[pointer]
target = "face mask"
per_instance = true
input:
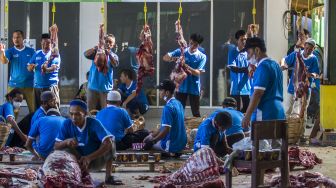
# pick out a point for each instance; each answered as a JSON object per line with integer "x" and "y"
{"x": 165, "y": 98}
{"x": 253, "y": 60}
{"x": 16, "y": 104}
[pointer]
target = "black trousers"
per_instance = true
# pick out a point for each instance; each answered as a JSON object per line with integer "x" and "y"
{"x": 130, "y": 138}
{"x": 219, "y": 145}
{"x": 194, "y": 101}
{"x": 242, "y": 102}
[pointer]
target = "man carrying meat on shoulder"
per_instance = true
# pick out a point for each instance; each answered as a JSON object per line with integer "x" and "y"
{"x": 172, "y": 136}
{"x": 195, "y": 62}
{"x": 88, "y": 140}
{"x": 210, "y": 133}
{"x": 267, "y": 89}
{"x": 100, "y": 83}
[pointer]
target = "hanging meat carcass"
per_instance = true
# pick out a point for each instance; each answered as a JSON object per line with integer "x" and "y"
{"x": 145, "y": 57}
{"x": 202, "y": 169}
{"x": 301, "y": 82}
{"x": 54, "y": 46}
{"x": 101, "y": 58}
{"x": 62, "y": 170}
{"x": 180, "y": 71}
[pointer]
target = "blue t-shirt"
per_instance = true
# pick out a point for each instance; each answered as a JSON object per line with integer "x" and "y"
{"x": 44, "y": 132}
{"x": 204, "y": 133}
{"x": 173, "y": 117}
{"x": 98, "y": 81}
{"x": 7, "y": 110}
{"x": 20, "y": 77}
{"x": 89, "y": 137}
{"x": 37, "y": 115}
{"x": 44, "y": 80}
{"x": 232, "y": 53}
{"x": 141, "y": 97}
{"x": 237, "y": 118}
{"x": 311, "y": 63}
{"x": 196, "y": 60}
{"x": 240, "y": 82}
{"x": 268, "y": 77}
{"x": 116, "y": 120}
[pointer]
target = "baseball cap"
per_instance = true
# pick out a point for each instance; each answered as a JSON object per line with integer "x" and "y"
{"x": 254, "y": 42}
{"x": 311, "y": 42}
{"x": 114, "y": 96}
{"x": 229, "y": 101}
{"x": 166, "y": 85}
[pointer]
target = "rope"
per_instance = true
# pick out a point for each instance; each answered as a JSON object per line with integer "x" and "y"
{"x": 102, "y": 11}
{"x": 254, "y": 12}
{"x": 180, "y": 10}
{"x": 6, "y": 13}
{"x": 145, "y": 12}
{"x": 53, "y": 10}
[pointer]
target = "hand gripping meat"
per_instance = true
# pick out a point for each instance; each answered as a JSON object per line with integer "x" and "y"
{"x": 145, "y": 57}
{"x": 200, "y": 170}
{"x": 180, "y": 72}
{"x": 101, "y": 57}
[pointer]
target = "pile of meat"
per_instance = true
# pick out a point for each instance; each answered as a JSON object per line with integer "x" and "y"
{"x": 180, "y": 72}
{"x": 306, "y": 179}
{"x": 11, "y": 150}
{"x": 101, "y": 58}
{"x": 301, "y": 157}
{"x": 6, "y": 175}
{"x": 145, "y": 57}
{"x": 200, "y": 170}
{"x": 61, "y": 170}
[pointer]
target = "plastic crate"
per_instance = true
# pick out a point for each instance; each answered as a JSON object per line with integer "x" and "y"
{"x": 329, "y": 139}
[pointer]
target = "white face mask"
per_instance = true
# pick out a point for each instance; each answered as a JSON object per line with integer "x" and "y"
{"x": 16, "y": 104}
{"x": 165, "y": 98}
{"x": 253, "y": 60}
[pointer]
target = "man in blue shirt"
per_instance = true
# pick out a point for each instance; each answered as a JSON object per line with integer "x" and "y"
{"x": 311, "y": 63}
{"x": 267, "y": 90}
{"x": 238, "y": 65}
{"x": 236, "y": 132}
{"x": 195, "y": 62}
{"x": 13, "y": 102}
{"x": 117, "y": 121}
{"x": 17, "y": 57}
{"x": 48, "y": 100}
{"x": 88, "y": 140}
{"x": 172, "y": 136}
{"x": 42, "y": 134}
{"x": 135, "y": 104}
{"x": 45, "y": 70}
{"x": 99, "y": 84}
{"x": 210, "y": 132}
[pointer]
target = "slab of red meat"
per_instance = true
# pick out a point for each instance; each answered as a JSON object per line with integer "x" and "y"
{"x": 300, "y": 157}
{"x": 54, "y": 41}
{"x": 180, "y": 72}
{"x": 101, "y": 58}
{"x": 145, "y": 57}
{"x": 200, "y": 170}
{"x": 10, "y": 150}
{"x": 62, "y": 170}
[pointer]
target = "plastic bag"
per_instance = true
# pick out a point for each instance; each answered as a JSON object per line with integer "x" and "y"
{"x": 246, "y": 144}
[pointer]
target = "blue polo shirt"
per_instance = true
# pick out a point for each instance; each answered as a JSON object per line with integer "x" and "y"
{"x": 173, "y": 117}
{"x": 240, "y": 82}
{"x": 232, "y": 53}
{"x": 44, "y": 132}
{"x": 268, "y": 77}
{"x": 311, "y": 63}
{"x": 20, "y": 77}
{"x": 237, "y": 118}
{"x": 205, "y": 131}
{"x": 141, "y": 97}
{"x": 196, "y": 60}
{"x": 7, "y": 110}
{"x": 44, "y": 80}
{"x": 98, "y": 81}
{"x": 89, "y": 137}
{"x": 37, "y": 115}
{"x": 116, "y": 120}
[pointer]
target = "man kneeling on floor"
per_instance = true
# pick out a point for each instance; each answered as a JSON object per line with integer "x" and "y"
{"x": 42, "y": 134}
{"x": 211, "y": 133}
{"x": 118, "y": 122}
{"x": 88, "y": 140}
{"x": 172, "y": 136}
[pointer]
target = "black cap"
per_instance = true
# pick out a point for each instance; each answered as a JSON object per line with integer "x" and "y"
{"x": 45, "y": 36}
{"x": 254, "y": 42}
{"x": 166, "y": 85}
{"x": 229, "y": 101}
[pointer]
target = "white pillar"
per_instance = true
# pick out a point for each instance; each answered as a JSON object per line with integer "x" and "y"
{"x": 4, "y": 39}
{"x": 276, "y": 42}
{"x": 89, "y": 19}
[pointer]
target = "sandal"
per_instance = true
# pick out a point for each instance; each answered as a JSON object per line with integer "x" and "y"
{"x": 111, "y": 181}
